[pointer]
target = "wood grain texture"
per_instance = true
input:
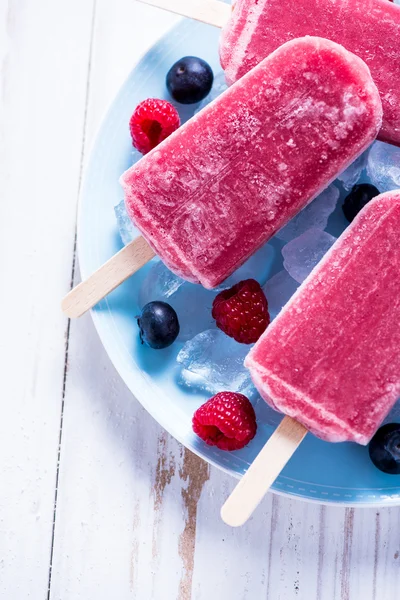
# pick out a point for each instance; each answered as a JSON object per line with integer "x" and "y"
{"x": 43, "y": 75}
{"x": 137, "y": 515}
{"x": 121, "y": 516}
{"x": 195, "y": 473}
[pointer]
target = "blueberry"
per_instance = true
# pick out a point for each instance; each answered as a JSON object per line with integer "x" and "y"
{"x": 190, "y": 80}
{"x": 158, "y": 324}
{"x": 384, "y": 449}
{"x": 359, "y": 196}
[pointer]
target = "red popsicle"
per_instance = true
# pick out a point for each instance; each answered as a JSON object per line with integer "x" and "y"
{"x": 331, "y": 359}
{"x": 218, "y": 188}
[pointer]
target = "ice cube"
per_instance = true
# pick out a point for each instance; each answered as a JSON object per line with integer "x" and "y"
{"x": 352, "y": 174}
{"x": 212, "y": 361}
{"x": 218, "y": 87}
{"x": 257, "y": 267}
{"x": 193, "y": 303}
{"x": 126, "y": 228}
{"x": 304, "y": 253}
{"x": 383, "y": 166}
{"x": 160, "y": 283}
{"x": 314, "y": 215}
{"x": 278, "y": 290}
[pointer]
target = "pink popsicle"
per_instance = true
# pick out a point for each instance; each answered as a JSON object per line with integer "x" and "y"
{"x": 218, "y": 188}
{"x": 369, "y": 28}
{"x": 331, "y": 359}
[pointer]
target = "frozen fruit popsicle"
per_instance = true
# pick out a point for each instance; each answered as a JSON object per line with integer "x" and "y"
{"x": 218, "y": 188}
{"x": 331, "y": 359}
{"x": 369, "y": 28}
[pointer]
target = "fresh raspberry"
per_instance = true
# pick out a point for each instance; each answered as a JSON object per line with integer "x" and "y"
{"x": 242, "y": 311}
{"x": 152, "y": 122}
{"x": 227, "y": 421}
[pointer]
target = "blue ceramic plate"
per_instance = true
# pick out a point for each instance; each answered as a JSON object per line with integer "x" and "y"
{"x": 319, "y": 471}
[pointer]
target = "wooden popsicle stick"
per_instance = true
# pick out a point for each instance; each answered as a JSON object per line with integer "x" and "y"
{"x": 211, "y": 12}
{"x": 109, "y": 276}
{"x": 262, "y": 472}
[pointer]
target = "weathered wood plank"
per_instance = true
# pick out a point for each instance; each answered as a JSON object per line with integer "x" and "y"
{"x": 43, "y": 72}
{"x": 127, "y": 491}
{"x": 121, "y": 502}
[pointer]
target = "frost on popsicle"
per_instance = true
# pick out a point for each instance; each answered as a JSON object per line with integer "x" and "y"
{"x": 214, "y": 362}
{"x": 163, "y": 281}
{"x": 304, "y": 253}
{"x": 383, "y": 166}
{"x": 315, "y": 215}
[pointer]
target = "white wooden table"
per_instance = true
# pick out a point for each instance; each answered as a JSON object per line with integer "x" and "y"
{"x": 96, "y": 501}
